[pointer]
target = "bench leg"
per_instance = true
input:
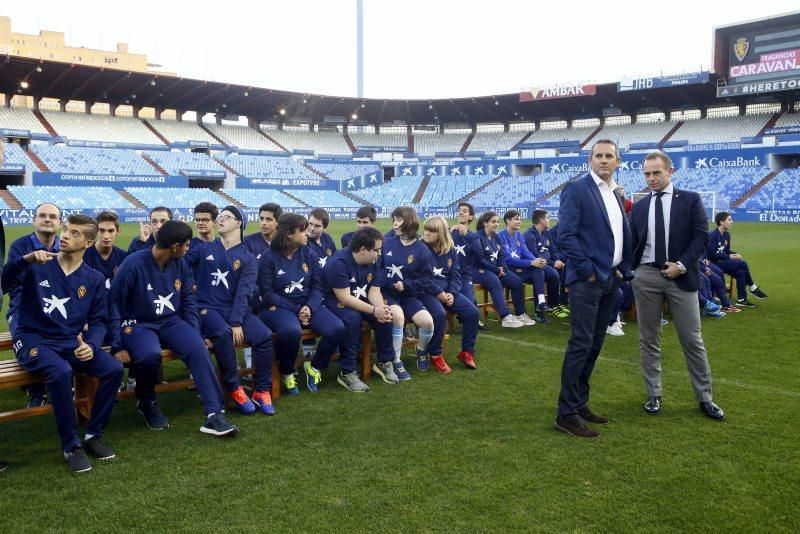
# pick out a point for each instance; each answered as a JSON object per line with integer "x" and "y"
{"x": 366, "y": 353}
{"x": 276, "y": 380}
{"x": 85, "y": 389}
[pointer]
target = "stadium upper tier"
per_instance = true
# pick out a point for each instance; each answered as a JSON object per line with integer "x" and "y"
{"x": 493, "y": 142}
{"x": 399, "y": 192}
{"x": 21, "y": 119}
{"x": 175, "y": 197}
{"x": 322, "y": 143}
{"x": 243, "y": 137}
{"x": 268, "y": 167}
{"x": 721, "y": 129}
{"x": 66, "y": 159}
{"x": 174, "y": 162}
{"x": 69, "y": 197}
{"x": 431, "y": 143}
{"x": 380, "y": 140}
{"x": 101, "y": 128}
{"x": 182, "y": 131}
{"x": 254, "y": 198}
{"x": 345, "y": 171}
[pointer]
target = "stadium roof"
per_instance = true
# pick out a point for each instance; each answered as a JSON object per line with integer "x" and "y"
{"x": 69, "y": 81}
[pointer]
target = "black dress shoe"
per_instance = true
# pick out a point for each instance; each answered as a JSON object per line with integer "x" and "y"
{"x": 653, "y": 405}
{"x": 587, "y": 414}
{"x": 712, "y": 410}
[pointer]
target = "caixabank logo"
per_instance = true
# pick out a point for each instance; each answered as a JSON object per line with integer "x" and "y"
{"x": 715, "y": 162}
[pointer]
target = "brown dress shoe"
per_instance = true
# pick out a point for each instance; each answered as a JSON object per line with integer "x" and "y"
{"x": 587, "y": 414}
{"x": 575, "y": 427}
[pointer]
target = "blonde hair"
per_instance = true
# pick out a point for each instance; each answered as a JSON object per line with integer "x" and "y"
{"x": 438, "y": 224}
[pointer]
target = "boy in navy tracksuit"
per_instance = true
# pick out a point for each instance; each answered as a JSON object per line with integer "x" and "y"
{"x": 539, "y": 241}
{"x": 719, "y": 251}
{"x": 46, "y": 226}
{"x": 527, "y": 265}
{"x": 350, "y": 292}
{"x": 365, "y": 217}
{"x": 152, "y": 304}
{"x": 148, "y": 232}
{"x": 58, "y": 295}
{"x": 462, "y": 242}
{"x": 289, "y": 282}
{"x": 447, "y": 291}
{"x": 321, "y": 243}
{"x": 268, "y": 215}
{"x": 226, "y": 280}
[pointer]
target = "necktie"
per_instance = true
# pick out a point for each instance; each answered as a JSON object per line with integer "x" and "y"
{"x": 661, "y": 236}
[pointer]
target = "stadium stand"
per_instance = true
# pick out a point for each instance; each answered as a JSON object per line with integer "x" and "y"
{"x": 3, "y": 205}
{"x": 15, "y": 154}
{"x": 493, "y": 142}
{"x": 243, "y": 137}
{"x": 728, "y": 183}
{"x": 69, "y": 197}
{"x": 174, "y": 162}
{"x": 345, "y": 171}
{"x": 561, "y": 134}
{"x": 515, "y": 190}
{"x": 445, "y": 190}
{"x": 331, "y": 143}
{"x": 720, "y": 129}
{"x": 430, "y": 143}
{"x": 788, "y": 119}
{"x": 175, "y": 197}
{"x": 325, "y": 198}
{"x": 253, "y": 198}
{"x": 643, "y": 132}
{"x": 387, "y": 139}
{"x": 398, "y": 192}
{"x": 782, "y": 192}
{"x": 182, "y": 131}
{"x": 60, "y": 158}
{"x": 267, "y": 167}
{"x": 21, "y": 119}
{"x": 101, "y": 128}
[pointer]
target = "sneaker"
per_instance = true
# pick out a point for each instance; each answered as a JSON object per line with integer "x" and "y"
{"x": 757, "y": 293}
{"x": 313, "y": 377}
{"x": 541, "y": 318}
{"x": 409, "y": 332}
{"x": 130, "y": 384}
{"x": 385, "y": 370}
{"x": 351, "y": 382}
{"x": 714, "y": 313}
{"x": 615, "y": 330}
{"x": 467, "y": 358}
{"x": 730, "y": 309}
{"x": 290, "y": 384}
{"x": 440, "y": 365}
{"x": 664, "y": 322}
{"x": 98, "y": 449}
{"x": 482, "y": 326}
{"x": 154, "y": 418}
{"x": 77, "y": 460}
{"x": 263, "y": 400}
{"x": 218, "y": 425}
{"x": 400, "y": 371}
{"x": 35, "y": 402}
{"x": 242, "y": 401}
{"x": 308, "y": 354}
{"x": 423, "y": 360}
{"x": 561, "y": 311}
{"x": 744, "y": 303}
{"x": 3, "y": 466}
{"x": 509, "y": 321}
{"x": 543, "y": 307}
{"x": 526, "y": 320}
{"x": 711, "y": 307}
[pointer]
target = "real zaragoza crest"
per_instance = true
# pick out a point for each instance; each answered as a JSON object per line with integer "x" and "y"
{"x": 741, "y": 47}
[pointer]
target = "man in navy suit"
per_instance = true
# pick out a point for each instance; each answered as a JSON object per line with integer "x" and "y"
{"x": 594, "y": 237}
{"x": 669, "y": 232}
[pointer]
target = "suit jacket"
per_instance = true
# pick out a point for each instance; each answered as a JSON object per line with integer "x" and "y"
{"x": 688, "y": 234}
{"x": 585, "y": 237}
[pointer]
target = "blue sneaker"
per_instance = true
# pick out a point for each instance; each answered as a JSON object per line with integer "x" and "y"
{"x": 400, "y": 371}
{"x": 263, "y": 400}
{"x": 313, "y": 377}
{"x": 290, "y": 384}
{"x": 423, "y": 360}
{"x": 711, "y": 307}
{"x": 714, "y": 313}
{"x": 543, "y": 307}
{"x": 242, "y": 401}
{"x": 218, "y": 425}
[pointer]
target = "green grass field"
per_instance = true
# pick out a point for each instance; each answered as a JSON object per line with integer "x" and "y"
{"x": 472, "y": 451}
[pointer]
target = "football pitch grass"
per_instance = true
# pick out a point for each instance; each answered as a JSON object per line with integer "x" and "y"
{"x": 472, "y": 451}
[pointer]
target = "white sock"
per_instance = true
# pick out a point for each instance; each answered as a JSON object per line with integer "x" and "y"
{"x": 397, "y": 341}
{"x": 87, "y": 437}
{"x": 248, "y": 357}
{"x": 753, "y": 287}
{"x": 541, "y": 298}
{"x": 425, "y": 336}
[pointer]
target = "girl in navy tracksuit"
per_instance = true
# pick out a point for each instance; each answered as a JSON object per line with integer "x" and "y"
{"x": 489, "y": 269}
{"x": 447, "y": 293}
{"x": 289, "y": 282}
{"x": 407, "y": 275}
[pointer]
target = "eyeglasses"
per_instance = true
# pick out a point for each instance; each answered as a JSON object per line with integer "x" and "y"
{"x": 223, "y": 218}
{"x": 204, "y": 221}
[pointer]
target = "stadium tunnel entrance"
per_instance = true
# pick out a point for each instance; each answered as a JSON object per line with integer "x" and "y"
{"x": 780, "y": 162}
{"x": 527, "y": 170}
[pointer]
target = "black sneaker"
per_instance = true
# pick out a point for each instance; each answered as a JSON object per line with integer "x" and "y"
{"x": 757, "y": 293}
{"x": 154, "y": 418}
{"x": 77, "y": 460}
{"x": 35, "y": 402}
{"x": 98, "y": 449}
{"x": 482, "y": 326}
{"x": 744, "y": 303}
{"x": 540, "y": 318}
{"x": 218, "y": 425}
{"x": 3, "y": 466}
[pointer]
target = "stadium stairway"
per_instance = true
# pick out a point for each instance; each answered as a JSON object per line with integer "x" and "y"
{"x": 349, "y": 142}
{"x": 558, "y": 189}
{"x": 754, "y": 189}
{"x": 354, "y": 198}
{"x": 130, "y": 198}
{"x": 315, "y": 171}
{"x": 466, "y": 198}
{"x": 155, "y": 132}
{"x": 230, "y": 199}
{"x": 213, "y": 135}
{"x": 155, "y": 165}
{"x": 467, "y": 142}
{"x": 770, "y": 123}
{"x": 524, "y": 138}
{"x": 411, "y": 143}
{"x": 37, "y": 161}
{"x": 47, "y": 126}
{"x": 10, "y": 200}
{"x": 272, "y": 140}
{"x": 669, "y": 134}
{"x": 591, "y": 136}
{"x": 421, "y": 191}
{"x": 226, "y": 166}
{"x": 300, "y": 200}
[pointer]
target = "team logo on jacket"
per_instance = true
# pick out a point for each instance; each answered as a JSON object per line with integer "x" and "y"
{"x": 305, "y": 267}
{"x": 127, "y": 329}
{"x": 81, "y": 292}
{"x": 369, "y": 278}
{"x": 273, "y": 308}
{"x": 517, "y": 243}
{"x": 410, "y": 259}
{"x": 178, "y": 284}
{"x": 236, "y": 264}
{"x": 449, "y": 262}
{"x": 34, "y": 352}
{"x": 204, "y": 311}
{"x": 328, "y": 251}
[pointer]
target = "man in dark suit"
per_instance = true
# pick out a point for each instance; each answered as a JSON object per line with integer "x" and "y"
{"x": 669, "y": 231}
{"x": 594, "y": 237}
{"x": 3, "y": 465}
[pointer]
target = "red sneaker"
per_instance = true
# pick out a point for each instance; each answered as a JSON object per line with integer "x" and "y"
{"x": 264, "y": 401}
{"x": 730, "y": 309}
{"x": 467, "y": 358}
{"x": 242, "y": 401}
{"x": 440, "y": 365}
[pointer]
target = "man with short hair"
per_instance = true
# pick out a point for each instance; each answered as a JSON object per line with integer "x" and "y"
{"x": 596, "y": 241}
{"x": 321, "y": 243}
{"x": 205, "y": 220}
{"x": 462, "y": 241}
{"x": 669, "y": 235}
{"x": 365, "y": 218}
{"x": 148, "y": 232}
{"x": 46, "y": 226}
{"x": 268, "y": 215}
{"x": 59, "y": 330}
{"x": 732, "y": 263}
{"x": 539, "y": 242}
{"x": 153, "y": 306}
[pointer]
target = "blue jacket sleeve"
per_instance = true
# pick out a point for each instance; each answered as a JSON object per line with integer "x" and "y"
{"x": 569, "y": 226}
{"x": 120, "y": 295}
{"x": 454, "y": 283}
{"x": 476, "y": 246}
{"x": 98, "y": 315}
{"x": 13, "y": 274}
{"x": 315, "y": 286}
{"x": 244, "y": 291}
{"x": 711, "y": 248}
{"x": 188, "y": 299}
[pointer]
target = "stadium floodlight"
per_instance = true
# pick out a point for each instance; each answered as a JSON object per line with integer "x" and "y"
{"x": 38, "y": 68}
{"x": 283, "y": 112}
{"x": 354, "y": 116}
{"x": 152, "y": 83}
{"x": 246, "y": 93}
{"x": 23, "y": 84}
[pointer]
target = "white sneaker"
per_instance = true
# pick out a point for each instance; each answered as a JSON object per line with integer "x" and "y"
{"x": 525, "y": 320}
{"x": 615, "y": 330}
{"x": 509, "y": 321}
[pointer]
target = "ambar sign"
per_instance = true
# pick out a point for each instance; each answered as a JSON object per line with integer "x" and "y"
{"x": 557, "y": 91}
